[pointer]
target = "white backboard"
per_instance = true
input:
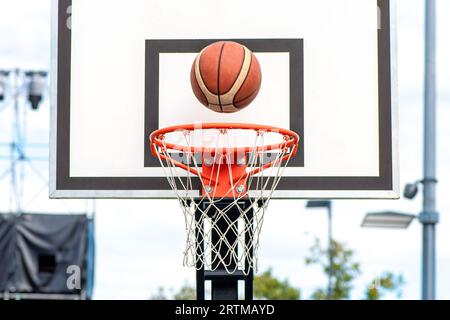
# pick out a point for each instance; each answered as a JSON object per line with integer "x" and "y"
{"x": 121, "y": 70}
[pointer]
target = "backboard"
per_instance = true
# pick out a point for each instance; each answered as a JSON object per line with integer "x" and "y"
{"x": 121, "y": 70}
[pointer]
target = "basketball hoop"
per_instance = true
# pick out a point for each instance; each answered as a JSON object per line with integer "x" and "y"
{"x": 224, "y": 176}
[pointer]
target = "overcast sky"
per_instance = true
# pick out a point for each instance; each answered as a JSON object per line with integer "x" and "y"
{"x": 140, "y": 243}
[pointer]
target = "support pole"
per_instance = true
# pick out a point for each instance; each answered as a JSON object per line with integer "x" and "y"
{"x": 224, "y": 286}
{"x": 429, "y": 217}
{"x": 330, "y": 252}
{"x": 199, "y": 237}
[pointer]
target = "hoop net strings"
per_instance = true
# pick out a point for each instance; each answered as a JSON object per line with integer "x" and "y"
{"x": 224, "y": 236}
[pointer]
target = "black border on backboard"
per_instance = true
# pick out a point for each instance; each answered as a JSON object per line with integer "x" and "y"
{"x": 153, "y": 49}
{"x": 63, "y": 181}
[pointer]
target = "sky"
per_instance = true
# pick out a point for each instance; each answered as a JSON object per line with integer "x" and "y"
{"x": 140, "y": 242}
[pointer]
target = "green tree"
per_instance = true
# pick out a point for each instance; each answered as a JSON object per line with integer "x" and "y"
{"x": 388, "y": 282}
{"x": 266, "y": 286}
{"x": 186, "y": 293}
{"x": 345, "y": 271}
{"x": 160, "y": 295}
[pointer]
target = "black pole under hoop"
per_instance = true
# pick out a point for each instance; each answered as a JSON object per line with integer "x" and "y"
{"x": 224, "y": 286}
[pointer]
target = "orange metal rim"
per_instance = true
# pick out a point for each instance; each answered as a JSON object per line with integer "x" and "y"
{"x": 157, "y": 138}
{"x": 290, "y": 140}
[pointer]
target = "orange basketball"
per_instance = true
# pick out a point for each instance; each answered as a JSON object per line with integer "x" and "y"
{"x": 226, "y": 77}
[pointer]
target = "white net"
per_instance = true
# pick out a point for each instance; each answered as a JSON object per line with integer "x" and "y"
{"x": 223, "y": 191}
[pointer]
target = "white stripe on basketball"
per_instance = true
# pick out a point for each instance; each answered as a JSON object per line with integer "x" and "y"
{"x": 214, "y": 107}
{"x": 229, "y": 108}
{"x": 228, "y": 98}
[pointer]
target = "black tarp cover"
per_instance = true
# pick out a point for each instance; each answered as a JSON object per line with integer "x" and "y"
{"x": 37, "y": 249}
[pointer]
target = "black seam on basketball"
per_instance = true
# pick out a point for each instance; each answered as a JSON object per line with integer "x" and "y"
{"x": 246, "y": 76}
{"x": 218, "y": 76}
{"x": 247, "y": 96}
{"x": 234, "y": 102}
{"x": 223, "y": 105}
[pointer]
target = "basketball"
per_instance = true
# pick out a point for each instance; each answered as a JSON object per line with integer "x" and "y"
{"x": 226, "y": 77}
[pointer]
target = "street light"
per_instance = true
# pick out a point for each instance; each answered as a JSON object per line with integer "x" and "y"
{"x": 429, "y": 218}
{"x": 314, "y": 204}
{"x": 411, "y": 190}
{"x": 397, "y": 220}
{"x": 3, "y": 83}
{"x": 388, "y": 220}
{"x": 36, "y": 87}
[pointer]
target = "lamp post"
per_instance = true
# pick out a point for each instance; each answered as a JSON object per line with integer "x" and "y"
{"x": 327, "y": 205}
{"x": 429, "y": 216}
